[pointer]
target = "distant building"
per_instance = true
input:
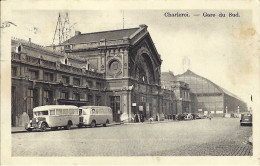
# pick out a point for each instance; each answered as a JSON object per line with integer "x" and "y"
{"x": 181, "y": 102}
{"x": 208, "y": 97}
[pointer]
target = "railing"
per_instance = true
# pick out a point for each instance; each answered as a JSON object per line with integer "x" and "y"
{"x": 48, "y": 63}
{"x": 32, "y": 60}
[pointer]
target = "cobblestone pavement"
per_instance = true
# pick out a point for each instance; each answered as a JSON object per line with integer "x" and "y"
{"x": 203, "y": 137}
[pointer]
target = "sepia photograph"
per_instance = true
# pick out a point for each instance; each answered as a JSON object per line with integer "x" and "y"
{"x": 164, "y": 82}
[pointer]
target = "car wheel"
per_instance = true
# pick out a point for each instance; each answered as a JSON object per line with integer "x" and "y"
{"x": 43, "y": 127}
{"x": 93, "y": 124}
{"x": 107, "y": 122}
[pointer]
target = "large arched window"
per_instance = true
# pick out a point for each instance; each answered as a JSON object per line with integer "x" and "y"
{"x": 144, "y": 69}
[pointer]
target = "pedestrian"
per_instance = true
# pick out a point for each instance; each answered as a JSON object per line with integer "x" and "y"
{"x": 136, "y": 118}
{"x": 210, "y": 116}
{"x": 142, "y": 118}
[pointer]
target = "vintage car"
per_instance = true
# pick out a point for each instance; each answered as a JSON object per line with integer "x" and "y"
{"x": 246, "y": 119}
{"x": 180, "y": 116}
{"x": 195, "y": 116}
{"x": 188, "y": 117}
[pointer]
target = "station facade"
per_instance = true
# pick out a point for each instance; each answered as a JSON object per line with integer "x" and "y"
{"x": 120, "y": 69}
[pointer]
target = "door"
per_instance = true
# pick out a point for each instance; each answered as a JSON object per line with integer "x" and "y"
{"x": 115, "y": 105}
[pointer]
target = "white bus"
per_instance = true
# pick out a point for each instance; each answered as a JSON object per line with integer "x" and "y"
{"x": 53, "y": 116}
{"x": 95, "y": 115}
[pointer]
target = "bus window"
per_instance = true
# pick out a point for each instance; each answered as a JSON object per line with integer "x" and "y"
{"x": 76, "y": 112}
{"x": 41, "y": 113}
{"x": 71, "y": 111}
{"x": 58, "y": 111}
{"x": 65, "y": 111}
{"x": 52, "y": 112}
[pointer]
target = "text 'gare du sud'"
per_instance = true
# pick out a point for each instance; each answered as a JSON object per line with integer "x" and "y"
{"x": 204, "y": 14}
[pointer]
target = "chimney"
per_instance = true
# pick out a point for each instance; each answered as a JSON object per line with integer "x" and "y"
{"x": 77, "y": 33}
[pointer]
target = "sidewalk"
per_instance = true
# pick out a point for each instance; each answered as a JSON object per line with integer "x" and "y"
{"x": 22, "y": 129}
{"x": 148, "y": 122}
{"x": 18, "y": 130}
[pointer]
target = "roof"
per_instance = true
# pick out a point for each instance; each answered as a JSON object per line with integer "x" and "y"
{"x": 188, "y": 72}
{"x": 47, "y": 107}
{"x": 167, "y": 76}
{"x": 97, "y": 36}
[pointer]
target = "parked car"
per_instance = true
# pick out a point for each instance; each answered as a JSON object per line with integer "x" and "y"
{"x": 246, "y": 119}
{"x": 195, "y": 116}
{"x": 180, "y": 116}
{"x": 188, "y": 117}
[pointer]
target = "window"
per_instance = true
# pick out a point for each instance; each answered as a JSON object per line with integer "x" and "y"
{"x": 90, "y": 84}
{"x": 65, "y": 111}
{"x": 76, "y": 81}
{"x": 76, "y": 96}
{"x": 48, "y": 76}
{"x": 76, "y": 112}
{"x": 41, "y": 113}
{"x": 64, "y": 95}
{"x": 98, "y": 101}
{"x": 14, "y": 71}
{"x": 90, "y": 99}
{"x": 58, "y": 111}
{"x": 52, "y": 112}
{"x": 47, "y": 97}
{"x": 71, "y": 111}
{"x": 33, "y": 74}
{"x": 98, "y": 85}
{"x": 65, "y": 79}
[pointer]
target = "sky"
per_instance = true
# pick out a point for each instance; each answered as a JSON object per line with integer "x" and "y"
{"x": 220, "y": 49}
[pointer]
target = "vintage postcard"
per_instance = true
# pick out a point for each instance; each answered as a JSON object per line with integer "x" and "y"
{"x": 130, "y": 83}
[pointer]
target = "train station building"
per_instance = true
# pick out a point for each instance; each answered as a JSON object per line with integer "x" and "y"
{"x": 207, "y": 97}
{"x": 119, "y": 68}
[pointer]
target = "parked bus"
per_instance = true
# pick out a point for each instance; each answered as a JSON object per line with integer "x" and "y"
{"x": 95, "y": 115}
{"x": 53, "y": 116}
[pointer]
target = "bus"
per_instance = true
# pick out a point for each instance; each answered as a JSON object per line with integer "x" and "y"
{"x": 95, "y": 115}
{"x": 53, "y": 117}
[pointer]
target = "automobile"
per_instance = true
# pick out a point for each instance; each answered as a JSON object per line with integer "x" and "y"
{"x": 246, "y": 119}
{"x": 180, "y": 116}
{"x": 188, "y": 117}
{"x": 195, "y": 116}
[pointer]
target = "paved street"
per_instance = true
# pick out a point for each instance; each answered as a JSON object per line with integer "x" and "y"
{"x": 202, "y": 137}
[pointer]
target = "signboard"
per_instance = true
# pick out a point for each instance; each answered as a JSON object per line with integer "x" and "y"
{"x": 199, "y": 110}
{"x": 134, "y": 104}
{"x": 141, "y": 108}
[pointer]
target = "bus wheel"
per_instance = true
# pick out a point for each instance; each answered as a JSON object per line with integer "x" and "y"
{"x": 43, "y": 127}
{"x": 68, "y": 127}
{"x": 105, "y": 124}
{"x": 93, "y": 124}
